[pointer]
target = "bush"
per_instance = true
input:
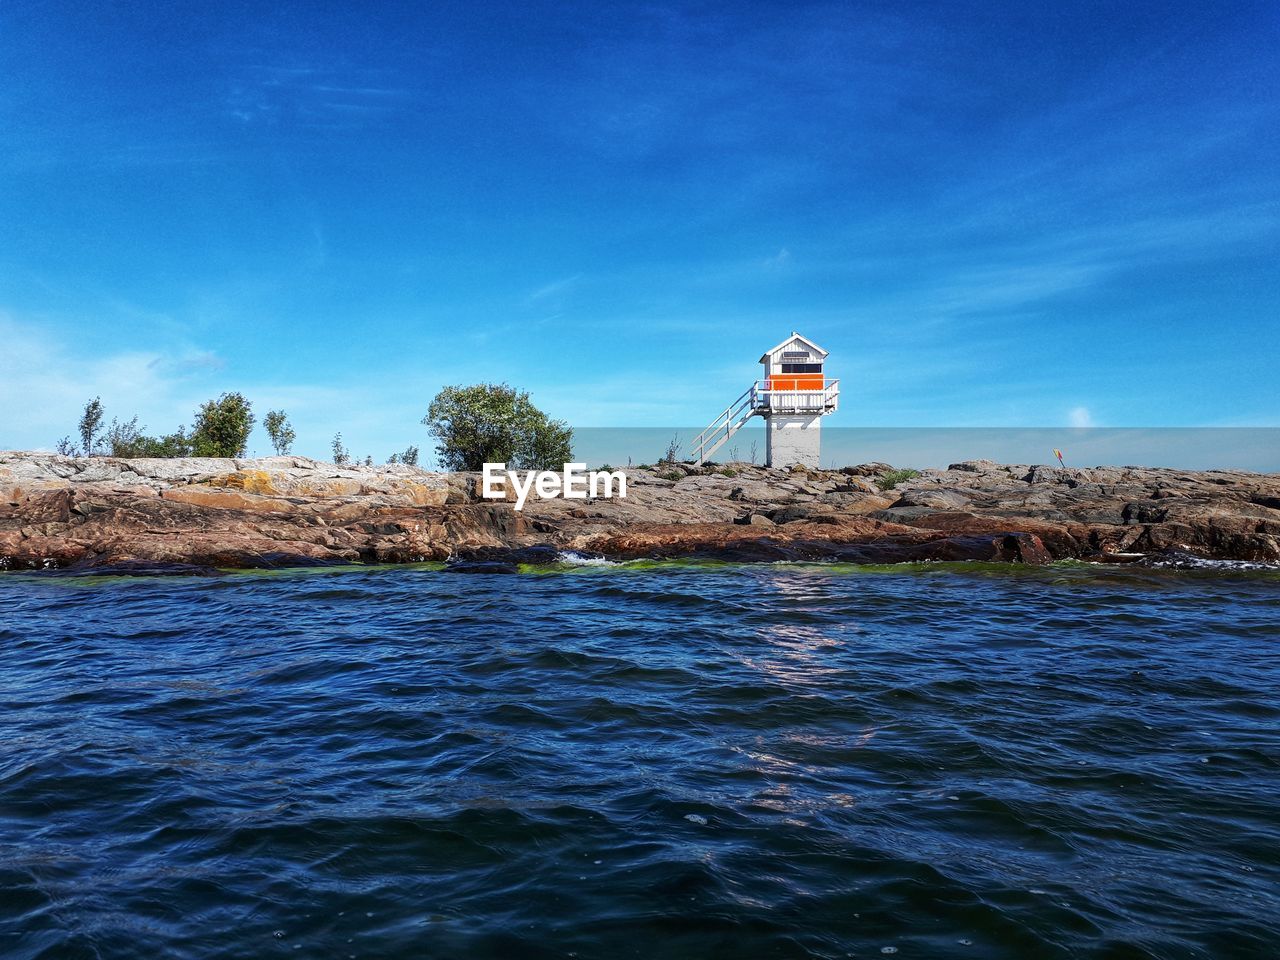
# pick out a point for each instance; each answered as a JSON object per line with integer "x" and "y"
{"x": 495, "y": 423}
{"x": 341, "y": 455}
{"x": 409, "y": 457}
{"x": 222, "y": 427}
{"x": 672, "y": 451}
{"x": 889, "y": 480}
{"x": 171, "y": 445}
{"x": 128, "y": 440}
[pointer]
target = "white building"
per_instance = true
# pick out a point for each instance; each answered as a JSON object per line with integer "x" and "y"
{"x": 793, "y": 397}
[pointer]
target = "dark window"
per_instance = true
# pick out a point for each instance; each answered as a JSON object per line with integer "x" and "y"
{"x": 802, "y": 368}
{"x": 795, "y": 356}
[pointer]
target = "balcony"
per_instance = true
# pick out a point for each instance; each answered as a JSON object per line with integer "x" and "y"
{"x": 771, "y": 399}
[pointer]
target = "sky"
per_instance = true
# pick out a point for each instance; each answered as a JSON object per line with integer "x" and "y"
{"x": 992, "y": 215}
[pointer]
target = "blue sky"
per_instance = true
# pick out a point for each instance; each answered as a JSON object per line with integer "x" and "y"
{"x": 1015, "y": 215}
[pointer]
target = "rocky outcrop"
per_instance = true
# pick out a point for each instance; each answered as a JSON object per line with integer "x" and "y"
{"x": 185, "y": 513}
{"x": 71, "y": 512}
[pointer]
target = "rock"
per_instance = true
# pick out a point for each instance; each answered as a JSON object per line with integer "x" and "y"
{"x": 227, "y": 500}
{"x": 937, "y": 499}
{"x": 803, "y": 511}
{"x": 874, "y": 469}
{"x": 65, "y": 511}
{"x": 856, "y": 502}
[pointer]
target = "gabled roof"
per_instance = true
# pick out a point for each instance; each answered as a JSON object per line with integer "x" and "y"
{"x": 790, "y": 340}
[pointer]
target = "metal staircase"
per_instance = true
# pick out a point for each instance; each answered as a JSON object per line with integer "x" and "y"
{"x": 726, "y": 425}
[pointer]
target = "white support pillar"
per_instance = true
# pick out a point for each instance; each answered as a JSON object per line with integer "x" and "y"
{"x": 793, "y": 439}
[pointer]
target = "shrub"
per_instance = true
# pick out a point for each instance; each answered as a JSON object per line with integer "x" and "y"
{"x": 341, "y": 455}
{"x": 128, "y": 440}
{"x": 124, "y": 439}
{"x": 176, "y": 444}
{"x": 222, "y": 427}
{"x": 889, "y": 480}
{"x": 495, "y": 423}
{"x": 672, "y": 451}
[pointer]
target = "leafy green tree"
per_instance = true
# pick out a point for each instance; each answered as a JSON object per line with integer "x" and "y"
{"x": 91, "y": 425}
{"x": 280, "y": 430}
{"x": 410, "y": 456}
{"x": 341, "y": 455}
{"x": 222, "y": 427}
{"x": 495, "y": 423}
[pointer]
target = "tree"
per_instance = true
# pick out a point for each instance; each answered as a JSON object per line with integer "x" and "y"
{"x": 91, "y": 425}
{"x": 128, "y": 440}
{"x": 495, "y": 423}
{"x": 341, "y": 455}
{"x": 177, "y": 444}
{"x": 410, "y": 456}
{"x": 124, "y": 439}
{"x": 280, "y": 430}
{"x": 222, "y": 427}
{"x": 66, "y": 447}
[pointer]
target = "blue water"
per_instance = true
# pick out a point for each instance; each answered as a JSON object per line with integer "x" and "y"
{"x": 661, "y": 761}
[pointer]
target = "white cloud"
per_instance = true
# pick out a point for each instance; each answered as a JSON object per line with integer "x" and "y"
{"x": 45, "y": 383}
{"x": 1080, "y": 417}
{"x": 44, "y": 386}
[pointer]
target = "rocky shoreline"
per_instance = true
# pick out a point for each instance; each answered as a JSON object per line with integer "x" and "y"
{"x": 189, "y": 515}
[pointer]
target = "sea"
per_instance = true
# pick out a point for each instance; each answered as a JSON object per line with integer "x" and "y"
{"x": 661, "y": 760}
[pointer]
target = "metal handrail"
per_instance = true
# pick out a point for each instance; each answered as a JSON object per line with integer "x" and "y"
{"x": 719, "y": 423}
{"x": 753, "y": 400}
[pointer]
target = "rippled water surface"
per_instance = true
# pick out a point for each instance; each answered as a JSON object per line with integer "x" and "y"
{"x": 642, "y": 762}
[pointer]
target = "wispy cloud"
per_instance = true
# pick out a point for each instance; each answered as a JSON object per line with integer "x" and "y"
{"x": 304, "y": 95}
{"x": 195, "y": 361}
{"x": 555, "y": 289}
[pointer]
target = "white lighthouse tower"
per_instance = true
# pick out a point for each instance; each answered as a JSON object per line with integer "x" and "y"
{"x": 793, "y": 397}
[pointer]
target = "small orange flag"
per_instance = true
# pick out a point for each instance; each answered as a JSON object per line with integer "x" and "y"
{"x": 1058, "y": 453}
